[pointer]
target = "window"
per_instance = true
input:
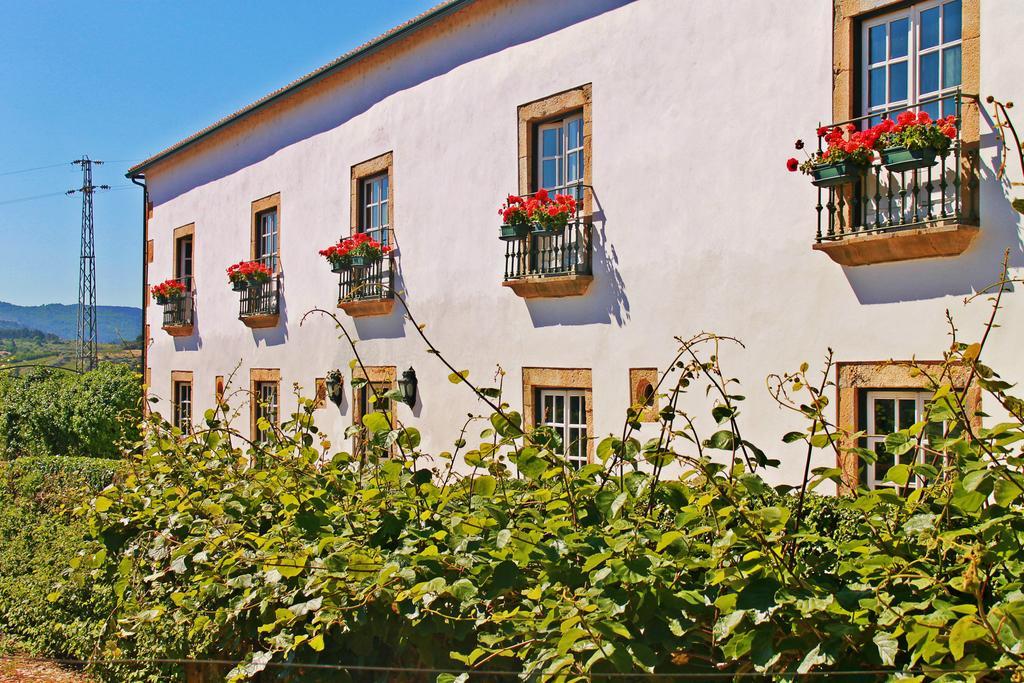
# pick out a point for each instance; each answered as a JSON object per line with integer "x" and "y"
{"x": 888, "y": 412}
{"x": 565, "y": 410}
{"x": 183, "y": 261}
{"x": 559, "y": 155}
{"x": 374, "y": 207}
{"x": 266, "y": 238}
{"x": 912, "y": 56}
{"x": 183, "y": 405}
{"x": 266, "y": 407}
{"x": 380, "y": 379}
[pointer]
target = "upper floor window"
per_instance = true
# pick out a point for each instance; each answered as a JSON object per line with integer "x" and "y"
{"x": 267, "y": 238}
{"x": 559, "y": 154}
{"x": 183, "y": 261}
{"x": 374, "y": 207}
{"x": 913, "y": 58}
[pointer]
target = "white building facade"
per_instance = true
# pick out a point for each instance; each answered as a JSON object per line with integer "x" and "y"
{"x": 671, "y": 122}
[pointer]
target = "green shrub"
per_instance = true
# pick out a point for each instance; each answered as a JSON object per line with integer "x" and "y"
{"x": 50, "y": 412}
{"x": 39, "y": 537}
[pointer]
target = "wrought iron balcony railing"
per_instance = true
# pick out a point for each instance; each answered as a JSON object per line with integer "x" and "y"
{"x": 179, "y": 313}
{"x": 881, "y": 200}
{"x": 260, "y": 299}
{"x": 372, "y": 282}
{"x": 566, "y": 252}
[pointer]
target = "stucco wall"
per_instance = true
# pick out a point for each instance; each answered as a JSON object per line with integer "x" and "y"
{"x": 695, "y": 108}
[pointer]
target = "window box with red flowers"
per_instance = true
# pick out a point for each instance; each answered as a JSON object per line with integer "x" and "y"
{"x": 365, "y": 277}
{"x": 258, "y": 285}
{"x": 900, "y": 189}
{"x": 168, "y": 291}
{"x": 913, "y": 141}
{"x": 548, "y": 247}
{"x": 540, "y": 213}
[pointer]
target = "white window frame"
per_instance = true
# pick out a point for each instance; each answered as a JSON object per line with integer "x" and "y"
{"x": 574, "y": 435}
{"x": 562, "y": 155}
{"x": 376, "y": 194}
{"x": 183, "y": 405}
{"x": 913, "y": 16}
{"x": 184, "y": 265}
{"x": 268, "y": 238}
{"x": 267, "y": 405}
{"x": 920, "y": 399}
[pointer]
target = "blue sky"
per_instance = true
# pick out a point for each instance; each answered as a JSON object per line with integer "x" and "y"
{"x": 118, "y": 81}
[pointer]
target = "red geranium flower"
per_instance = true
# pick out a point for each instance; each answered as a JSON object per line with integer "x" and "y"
{"x": 792, "y": 164}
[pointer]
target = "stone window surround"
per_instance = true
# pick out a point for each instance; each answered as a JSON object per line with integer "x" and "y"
{"x": 559, "y": 378}
{"x": 853, "y": 377}
{"x": 374, "y": 374}
{"x": 262, "y": 375}
{"x": 639, "y": 380}
{"x": 272, "y": 201}
{"x": 550, "y": 108}
{"x": 319, "y": 392}
{"x": 218, "y": 389}
{"x": 383, "y": 163}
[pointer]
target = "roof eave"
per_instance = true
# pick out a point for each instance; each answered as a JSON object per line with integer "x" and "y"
{"x": 138, "y": 171}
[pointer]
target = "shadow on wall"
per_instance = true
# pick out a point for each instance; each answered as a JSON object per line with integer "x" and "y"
{"x": 972, "y": 271}
{"x": 390, "y": 326}
{"x": 430, "y": 60}
{"x": 604, "y": 303}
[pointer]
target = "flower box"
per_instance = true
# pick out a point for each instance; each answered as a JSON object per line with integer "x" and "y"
{"x": 168, "y": 291}
{"x": 340, "y": 266}
{"x": 360, "y": 260}
{"x": 899, "y": 159}
{"x": 239, "y": 285}
{"x": 838, "y": 173}
{"x": 245, "y": 274}
{"x": 356, "y": 251}
{"x": 161, "y": 299}
{"x": 539, "y": 213}
{"x": 512, "y": 232}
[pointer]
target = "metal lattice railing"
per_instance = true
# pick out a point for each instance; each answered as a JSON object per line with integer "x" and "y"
{"x": 567, "y": 252}
{"x": 885, "y": 201}
{"x": 371, "y": 282}
{"x": 259, "y": 298}
{"x": 179, "y": 313}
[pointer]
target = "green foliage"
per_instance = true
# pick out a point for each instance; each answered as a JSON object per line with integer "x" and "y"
{"x": 49, "y": 412}
{"x": 290, "y": 552}
{"x": 39, "y": 537}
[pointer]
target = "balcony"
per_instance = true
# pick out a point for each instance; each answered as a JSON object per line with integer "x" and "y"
{"x": 550, "y": 265}
{"x": 368, "y": 290}
{"x": 259, "y": 303}
{"x": 178, "y": 316}
{"x": 888, "y": 216}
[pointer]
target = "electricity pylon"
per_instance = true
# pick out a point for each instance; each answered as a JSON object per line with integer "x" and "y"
{"x": 87, "y": 270}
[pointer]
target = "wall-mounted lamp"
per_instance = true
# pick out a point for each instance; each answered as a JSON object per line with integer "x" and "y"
{"x": 335, "y": 384}
{"x": 407, "y": 385}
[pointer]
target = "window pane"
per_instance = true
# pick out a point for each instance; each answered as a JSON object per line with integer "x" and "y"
{"x": 949, "y": 107}
{"x": 549, "y": 142}
{"x": 951, "y": 67}
{"x": 573, "y": 172}
{"x": 876, "y": 87}
{"x": 559, "y": 415}
{"x": 932, "y": 108}
{"x": 951, "y": 21}
{"x": 384, "y": 188}
{"x": 885, "y": 416}
{"x": 929, "y": 35}
{"x": 898, "y": 82}
{"x": 908, "y": 412}
{"x": 899, "y": 32}
{"x": 876, "y": 44}
{"x": 549, "y": 173}
{"x": 883, "y": 461}
{"x": 575, "y": 134}
{"x": 928, "y": 73}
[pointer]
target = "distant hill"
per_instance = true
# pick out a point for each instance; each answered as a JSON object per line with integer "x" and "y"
{"x": 114, "y": 323}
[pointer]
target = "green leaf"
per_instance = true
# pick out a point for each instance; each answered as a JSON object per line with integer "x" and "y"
{"x": 965, "y": 630}
{"x": 668, "y": 538}
{"x": 722, "y": 413}
{"x": 317, "y": 643}
{"x": 898, "y": 474}
{"x": 888, "y": 647}
{"x": 102, "y": 503}
{"x": 758, "y": 594}
{"x": 484, "y": 486}
{"x": 1007, "y": 491}
{"x": 722, "y": 440}
{"x": 458, "y": 377}
{"x": 376, "y": 423}
{"x": 790, "y": 437}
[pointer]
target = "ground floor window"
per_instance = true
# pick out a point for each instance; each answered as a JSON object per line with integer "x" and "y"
{"x": 266, "y": 407}
{"x": 565, "y": 411}
{"x": 183, "y": 405}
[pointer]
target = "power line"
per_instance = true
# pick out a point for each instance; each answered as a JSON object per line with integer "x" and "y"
{"x": 126, "y": 186}
{"x": 43, "y": 168}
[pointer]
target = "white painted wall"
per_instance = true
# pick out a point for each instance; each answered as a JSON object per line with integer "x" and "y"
{"x": 695, "y": 108}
